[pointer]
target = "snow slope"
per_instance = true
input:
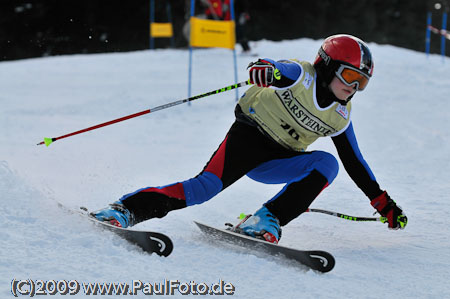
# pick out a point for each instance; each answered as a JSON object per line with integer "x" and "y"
{"x": 401, "y": 121}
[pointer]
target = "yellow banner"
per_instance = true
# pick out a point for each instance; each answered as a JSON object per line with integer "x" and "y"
{"x": 212, "y": 34}
{"x": 161, "y": 30}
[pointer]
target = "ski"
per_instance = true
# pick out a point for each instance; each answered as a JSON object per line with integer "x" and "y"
{"x": 314, "y": 259}
{"x": 149, "y": 241}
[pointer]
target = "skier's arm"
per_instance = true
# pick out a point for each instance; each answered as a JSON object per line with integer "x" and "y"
{"x": 362, "y": 175}
{"x": 267, "y": 72}
{"x": 354, "y": 163}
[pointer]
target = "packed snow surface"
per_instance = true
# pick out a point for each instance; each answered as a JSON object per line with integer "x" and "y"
{"x": 401, "y": 121}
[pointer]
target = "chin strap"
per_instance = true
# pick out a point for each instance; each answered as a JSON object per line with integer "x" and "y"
{"x": 325, "y": 97}
{"x": 342, "y": 102}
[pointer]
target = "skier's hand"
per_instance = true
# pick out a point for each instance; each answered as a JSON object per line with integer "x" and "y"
{"x": 388, "y": 208}
{"x": 263, "y": 73}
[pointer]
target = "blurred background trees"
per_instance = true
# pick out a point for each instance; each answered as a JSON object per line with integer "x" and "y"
{"x": 36, "y": 28}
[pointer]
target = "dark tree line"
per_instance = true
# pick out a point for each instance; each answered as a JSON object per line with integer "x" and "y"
{"x": 37, "y": 28}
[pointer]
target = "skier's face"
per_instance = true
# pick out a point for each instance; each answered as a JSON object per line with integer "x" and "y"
{"x": 340, "y": 90}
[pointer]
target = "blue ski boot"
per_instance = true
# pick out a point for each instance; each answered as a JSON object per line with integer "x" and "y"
{"x": 116, "y": 214}
{"x": 262, "y": 225}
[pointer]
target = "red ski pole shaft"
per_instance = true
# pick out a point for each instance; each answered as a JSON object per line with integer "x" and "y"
{"x": 48, "y": 141}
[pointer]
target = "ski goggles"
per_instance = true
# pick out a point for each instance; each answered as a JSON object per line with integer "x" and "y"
{"x": 350, "y": 75}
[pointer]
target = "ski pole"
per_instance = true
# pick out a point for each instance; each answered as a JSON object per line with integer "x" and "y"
{"x": 48, "y": 141}
{"x": 348, "y": 217}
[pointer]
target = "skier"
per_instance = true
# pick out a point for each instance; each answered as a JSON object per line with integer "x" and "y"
{"x": 292, "y": 104}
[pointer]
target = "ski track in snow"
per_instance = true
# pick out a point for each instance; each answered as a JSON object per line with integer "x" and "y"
{"x": 401, "y": 122}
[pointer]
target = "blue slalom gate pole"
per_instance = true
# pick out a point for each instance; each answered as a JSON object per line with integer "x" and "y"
{"x": 152, "y": 19}
{"x": 190, "y": 71}
{"x": 190, "y": 54}
{"x": 428, "y": 35}
{"x": 443, "y": 37}
{"x": 169, "y": 18}
{"x": 234, "y": 49}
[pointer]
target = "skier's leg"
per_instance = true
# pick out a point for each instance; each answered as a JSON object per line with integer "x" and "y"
{"x": 156, "y": 202}
{"x": 306, "y": 176}
{"x": 241, "y": 151}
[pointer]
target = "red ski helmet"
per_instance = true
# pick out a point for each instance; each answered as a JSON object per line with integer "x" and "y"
{"x": 338, "y": 51}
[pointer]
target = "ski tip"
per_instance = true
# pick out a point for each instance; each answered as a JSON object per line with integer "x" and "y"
{"x": 322, "y": 261}
{"x": 198, "y": 224}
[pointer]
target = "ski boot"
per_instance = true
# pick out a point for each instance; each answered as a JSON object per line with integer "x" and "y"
{"x": 262, "y": 225}
{"x": 116, "y": 214}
